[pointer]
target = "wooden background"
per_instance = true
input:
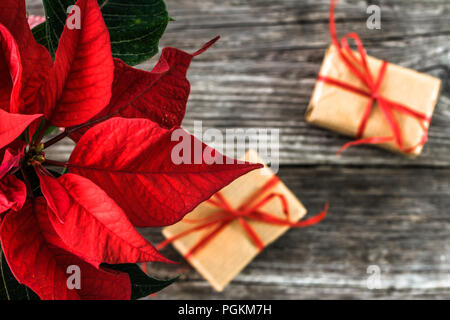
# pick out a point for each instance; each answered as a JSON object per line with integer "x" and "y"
{"x": 386, "y": 210}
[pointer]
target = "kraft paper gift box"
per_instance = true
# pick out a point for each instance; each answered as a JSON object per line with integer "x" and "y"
{"x": 231, "y": 250}
{"x": 340, "y": 110}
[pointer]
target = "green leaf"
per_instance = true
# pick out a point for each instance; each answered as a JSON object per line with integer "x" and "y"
{"x": 10, "y": 289}
{"x": 135, "y": 26}
{"x": 141, "y": 284}
{"x": 40, "y": 34}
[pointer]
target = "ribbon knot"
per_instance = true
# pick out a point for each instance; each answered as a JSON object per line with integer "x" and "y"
{"x": 359, "y": 67}
{"x": 249, "y": 210}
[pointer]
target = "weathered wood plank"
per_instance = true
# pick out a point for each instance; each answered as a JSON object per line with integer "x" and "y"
{"x": 386, "y": 217}
{"x": 35, "y": 7}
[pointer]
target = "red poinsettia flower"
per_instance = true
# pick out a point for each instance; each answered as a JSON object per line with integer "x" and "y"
{"x": 120, "y": 174}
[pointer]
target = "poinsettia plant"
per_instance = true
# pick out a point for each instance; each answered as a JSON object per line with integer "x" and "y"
{"x": 120, "y": 174}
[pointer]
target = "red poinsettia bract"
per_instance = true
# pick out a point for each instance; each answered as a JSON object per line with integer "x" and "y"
{"x": 120, "y": 175}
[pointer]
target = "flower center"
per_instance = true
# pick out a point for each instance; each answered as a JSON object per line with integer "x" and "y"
{"x": 35, "y": 154}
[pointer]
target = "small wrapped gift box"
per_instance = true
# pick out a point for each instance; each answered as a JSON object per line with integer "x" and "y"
{"x": 372, "y": 100}
{"x": 223, "y": 235}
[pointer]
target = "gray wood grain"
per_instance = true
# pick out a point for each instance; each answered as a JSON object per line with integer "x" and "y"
{"x": 386, "y": 210}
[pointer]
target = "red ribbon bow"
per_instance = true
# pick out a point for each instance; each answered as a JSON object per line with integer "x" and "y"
{"x": 360, "y": 69}
{"x": 247, "y": 211}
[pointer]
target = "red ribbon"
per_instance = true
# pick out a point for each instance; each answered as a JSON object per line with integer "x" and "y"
{"x": 247, "y": 211}
{"x": 360, "y": 69}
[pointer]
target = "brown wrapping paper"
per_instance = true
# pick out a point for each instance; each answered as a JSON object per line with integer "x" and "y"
{"x": 226, "y": 255}
{"x": 340, "y": 110}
